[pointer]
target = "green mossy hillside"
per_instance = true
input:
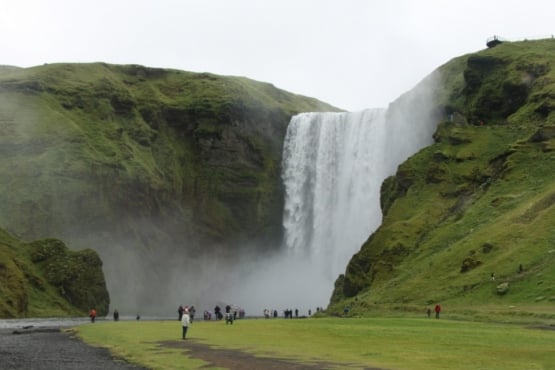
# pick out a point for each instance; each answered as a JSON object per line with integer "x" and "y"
{"x": 44, "y": 278}
{"x": 147, "y": 166}
{"x": 479, "y": 201}
{"x": 128, "y": 142}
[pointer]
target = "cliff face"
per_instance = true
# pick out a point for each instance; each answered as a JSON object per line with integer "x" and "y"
{"x": 479, "y": 201}
{"x": 45, "y": 278}
{"x": 144, "y": 165}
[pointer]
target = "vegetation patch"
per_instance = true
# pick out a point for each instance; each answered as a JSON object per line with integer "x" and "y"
{"x": 44, "y": 279}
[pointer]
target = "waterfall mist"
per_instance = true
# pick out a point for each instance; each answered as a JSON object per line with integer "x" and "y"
{"x": 333, "y": 168}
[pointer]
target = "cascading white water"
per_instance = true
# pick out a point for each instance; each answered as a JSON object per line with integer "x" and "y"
{"x": 332, "y": 172}
{"x": 333, "y": 168}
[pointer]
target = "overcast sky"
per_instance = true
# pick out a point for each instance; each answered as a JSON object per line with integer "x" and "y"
{"x": 353, "y": 54}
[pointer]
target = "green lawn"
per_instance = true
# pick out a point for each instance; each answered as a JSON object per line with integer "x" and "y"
{"x": 390, "y": 343}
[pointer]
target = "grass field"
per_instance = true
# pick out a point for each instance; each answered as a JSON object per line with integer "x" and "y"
{"x": 354, "y": 343}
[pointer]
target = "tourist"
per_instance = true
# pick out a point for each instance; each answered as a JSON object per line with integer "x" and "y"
{"x": 92, "y": 315}
{"x": 185, "y": 322}
{"x": 192, "y": 313}
{"x": 180, "y": 312}
{"x": 437, "y": 310}
{"x": 218, "y": 312}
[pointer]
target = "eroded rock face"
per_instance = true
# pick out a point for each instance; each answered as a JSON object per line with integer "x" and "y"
{"x": 45, "y": 278}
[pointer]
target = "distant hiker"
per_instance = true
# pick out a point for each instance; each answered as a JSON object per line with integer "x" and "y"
{"x": 116, "y": 315}
{"x": 429, "y": 312}
{"x": 492, "y": 277}
{"x": 192, "y": 313}
{"x": 185, "y": 322}
{"x": 92, "y": 315}
{"x": 437, "y": 310}
{"x": 180, "y": 312}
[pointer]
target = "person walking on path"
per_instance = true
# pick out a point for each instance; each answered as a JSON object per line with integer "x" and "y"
{"x": 185, "y": 322}
{"x": 437, "y": 310}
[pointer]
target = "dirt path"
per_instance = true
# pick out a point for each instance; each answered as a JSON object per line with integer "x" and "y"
{"x": 239, "y": 360}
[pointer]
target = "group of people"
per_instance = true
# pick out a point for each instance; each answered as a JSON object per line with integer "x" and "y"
{"x": 186, "y": 315}
{"x": 270, "y": 313}
{"x": 234, "y": 311}
{"x": 287, "y": 313}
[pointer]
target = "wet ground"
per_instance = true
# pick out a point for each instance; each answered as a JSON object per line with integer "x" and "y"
{"x": 48, "y": 348}
{"x": 238, "y": 360}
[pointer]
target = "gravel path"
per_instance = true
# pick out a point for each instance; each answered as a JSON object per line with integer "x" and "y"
{"x": 51, "y": 349}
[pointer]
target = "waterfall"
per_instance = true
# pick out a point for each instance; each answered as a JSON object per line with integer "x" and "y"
{"x": 333, "y": 167}
{"x": 332, "y": 172}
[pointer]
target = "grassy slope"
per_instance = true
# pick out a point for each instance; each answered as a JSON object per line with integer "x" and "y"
{"x": 481, "y": 196}
{"x": 389, "y": 343}
{"x": 45, "y": 279}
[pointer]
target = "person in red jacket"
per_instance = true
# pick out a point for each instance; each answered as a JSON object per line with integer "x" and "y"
{"x": 92, "y": 315}
{"x": 437, "y": 310}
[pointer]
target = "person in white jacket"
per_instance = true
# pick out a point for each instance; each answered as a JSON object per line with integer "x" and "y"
{"x": 185, "y": 322}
